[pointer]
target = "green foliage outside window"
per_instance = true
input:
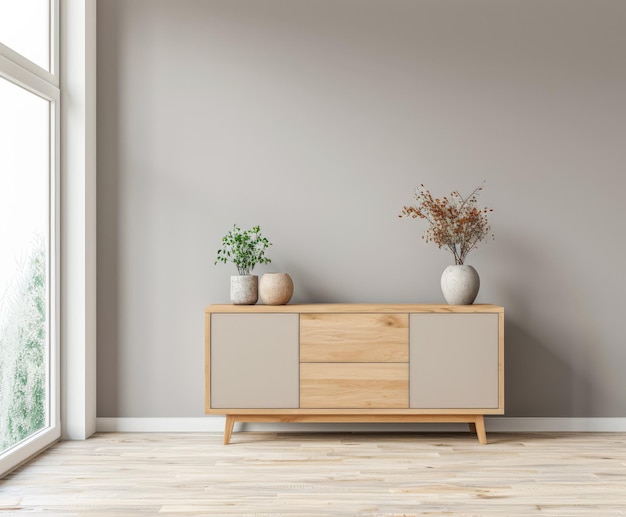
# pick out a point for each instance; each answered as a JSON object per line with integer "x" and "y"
{"x": 22, "y": 351}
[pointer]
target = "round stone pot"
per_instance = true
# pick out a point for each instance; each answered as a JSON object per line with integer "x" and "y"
{"x": 275, "y": 288}
{"x": 244, "y": 289}
{"x": 460, "y": 284}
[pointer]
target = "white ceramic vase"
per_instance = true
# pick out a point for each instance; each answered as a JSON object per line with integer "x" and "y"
{"x": 244, "y": 289}
{"x": 275, "y": 288}
{"x": 460, "y": 284}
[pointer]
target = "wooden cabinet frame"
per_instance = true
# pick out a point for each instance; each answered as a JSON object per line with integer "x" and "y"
{"x": 358, "y": 355}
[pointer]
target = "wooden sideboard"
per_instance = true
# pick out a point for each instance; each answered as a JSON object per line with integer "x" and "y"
{"x": 354, "y": 363}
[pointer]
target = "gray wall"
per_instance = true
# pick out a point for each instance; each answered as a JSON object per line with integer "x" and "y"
{"x": 315, "y": 119}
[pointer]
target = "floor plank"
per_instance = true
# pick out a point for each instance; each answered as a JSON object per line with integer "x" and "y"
{"x": 298, "y": 474}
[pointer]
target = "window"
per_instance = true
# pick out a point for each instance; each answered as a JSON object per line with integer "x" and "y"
{"x": 25, "y": 28}
{"x": 29, "y": 207}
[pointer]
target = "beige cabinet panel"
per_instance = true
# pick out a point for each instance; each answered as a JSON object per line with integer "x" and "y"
{"x": 375, "y": 338}
{"x": 454, "y": 361}
{"x": 354, "y": 385}
{"x": 254, "y": 361}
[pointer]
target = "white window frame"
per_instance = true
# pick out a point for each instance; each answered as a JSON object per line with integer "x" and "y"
{"x": 25, "y": 74}
{"x": 73, "y": 74}
{"x": 78, "y": 218}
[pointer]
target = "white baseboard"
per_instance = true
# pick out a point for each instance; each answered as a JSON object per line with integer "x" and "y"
{"x": 215, "y": 424}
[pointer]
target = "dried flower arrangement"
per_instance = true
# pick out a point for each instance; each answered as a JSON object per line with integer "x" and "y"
{"x": 457, "y": 224}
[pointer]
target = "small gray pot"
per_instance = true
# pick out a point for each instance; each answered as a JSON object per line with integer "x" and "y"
{"x": 244, "y": 289}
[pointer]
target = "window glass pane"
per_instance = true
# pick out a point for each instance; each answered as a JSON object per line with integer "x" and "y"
{"x": 25, "y": 28}
{"x": 24, "y": 216}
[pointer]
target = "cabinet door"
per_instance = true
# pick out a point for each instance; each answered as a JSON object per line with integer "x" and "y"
{"x": 454, "y": 361}
{"x": 254, "y": 361}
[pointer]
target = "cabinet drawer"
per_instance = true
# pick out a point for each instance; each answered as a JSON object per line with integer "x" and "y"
{"x": 375, "y": 338}
{"x": 354, "y": 385}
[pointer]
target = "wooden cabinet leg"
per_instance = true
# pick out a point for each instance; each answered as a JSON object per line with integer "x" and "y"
{"x": 228, "y": 428}
{"x": 480, "y": 429}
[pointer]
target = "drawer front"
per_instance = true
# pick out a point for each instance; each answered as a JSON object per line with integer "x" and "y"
{"x": 375, "y": 338}
{"x": 354, "y": 385}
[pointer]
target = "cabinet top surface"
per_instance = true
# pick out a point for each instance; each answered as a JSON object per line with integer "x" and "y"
{"x": 356, "y": 308}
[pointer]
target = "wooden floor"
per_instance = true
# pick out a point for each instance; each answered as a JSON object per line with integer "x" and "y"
{"x": 324, "y": 474}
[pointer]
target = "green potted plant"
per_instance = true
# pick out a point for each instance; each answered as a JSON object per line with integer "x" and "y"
{"x": 456, "y": 224}
{"x": 245, "y": 249}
